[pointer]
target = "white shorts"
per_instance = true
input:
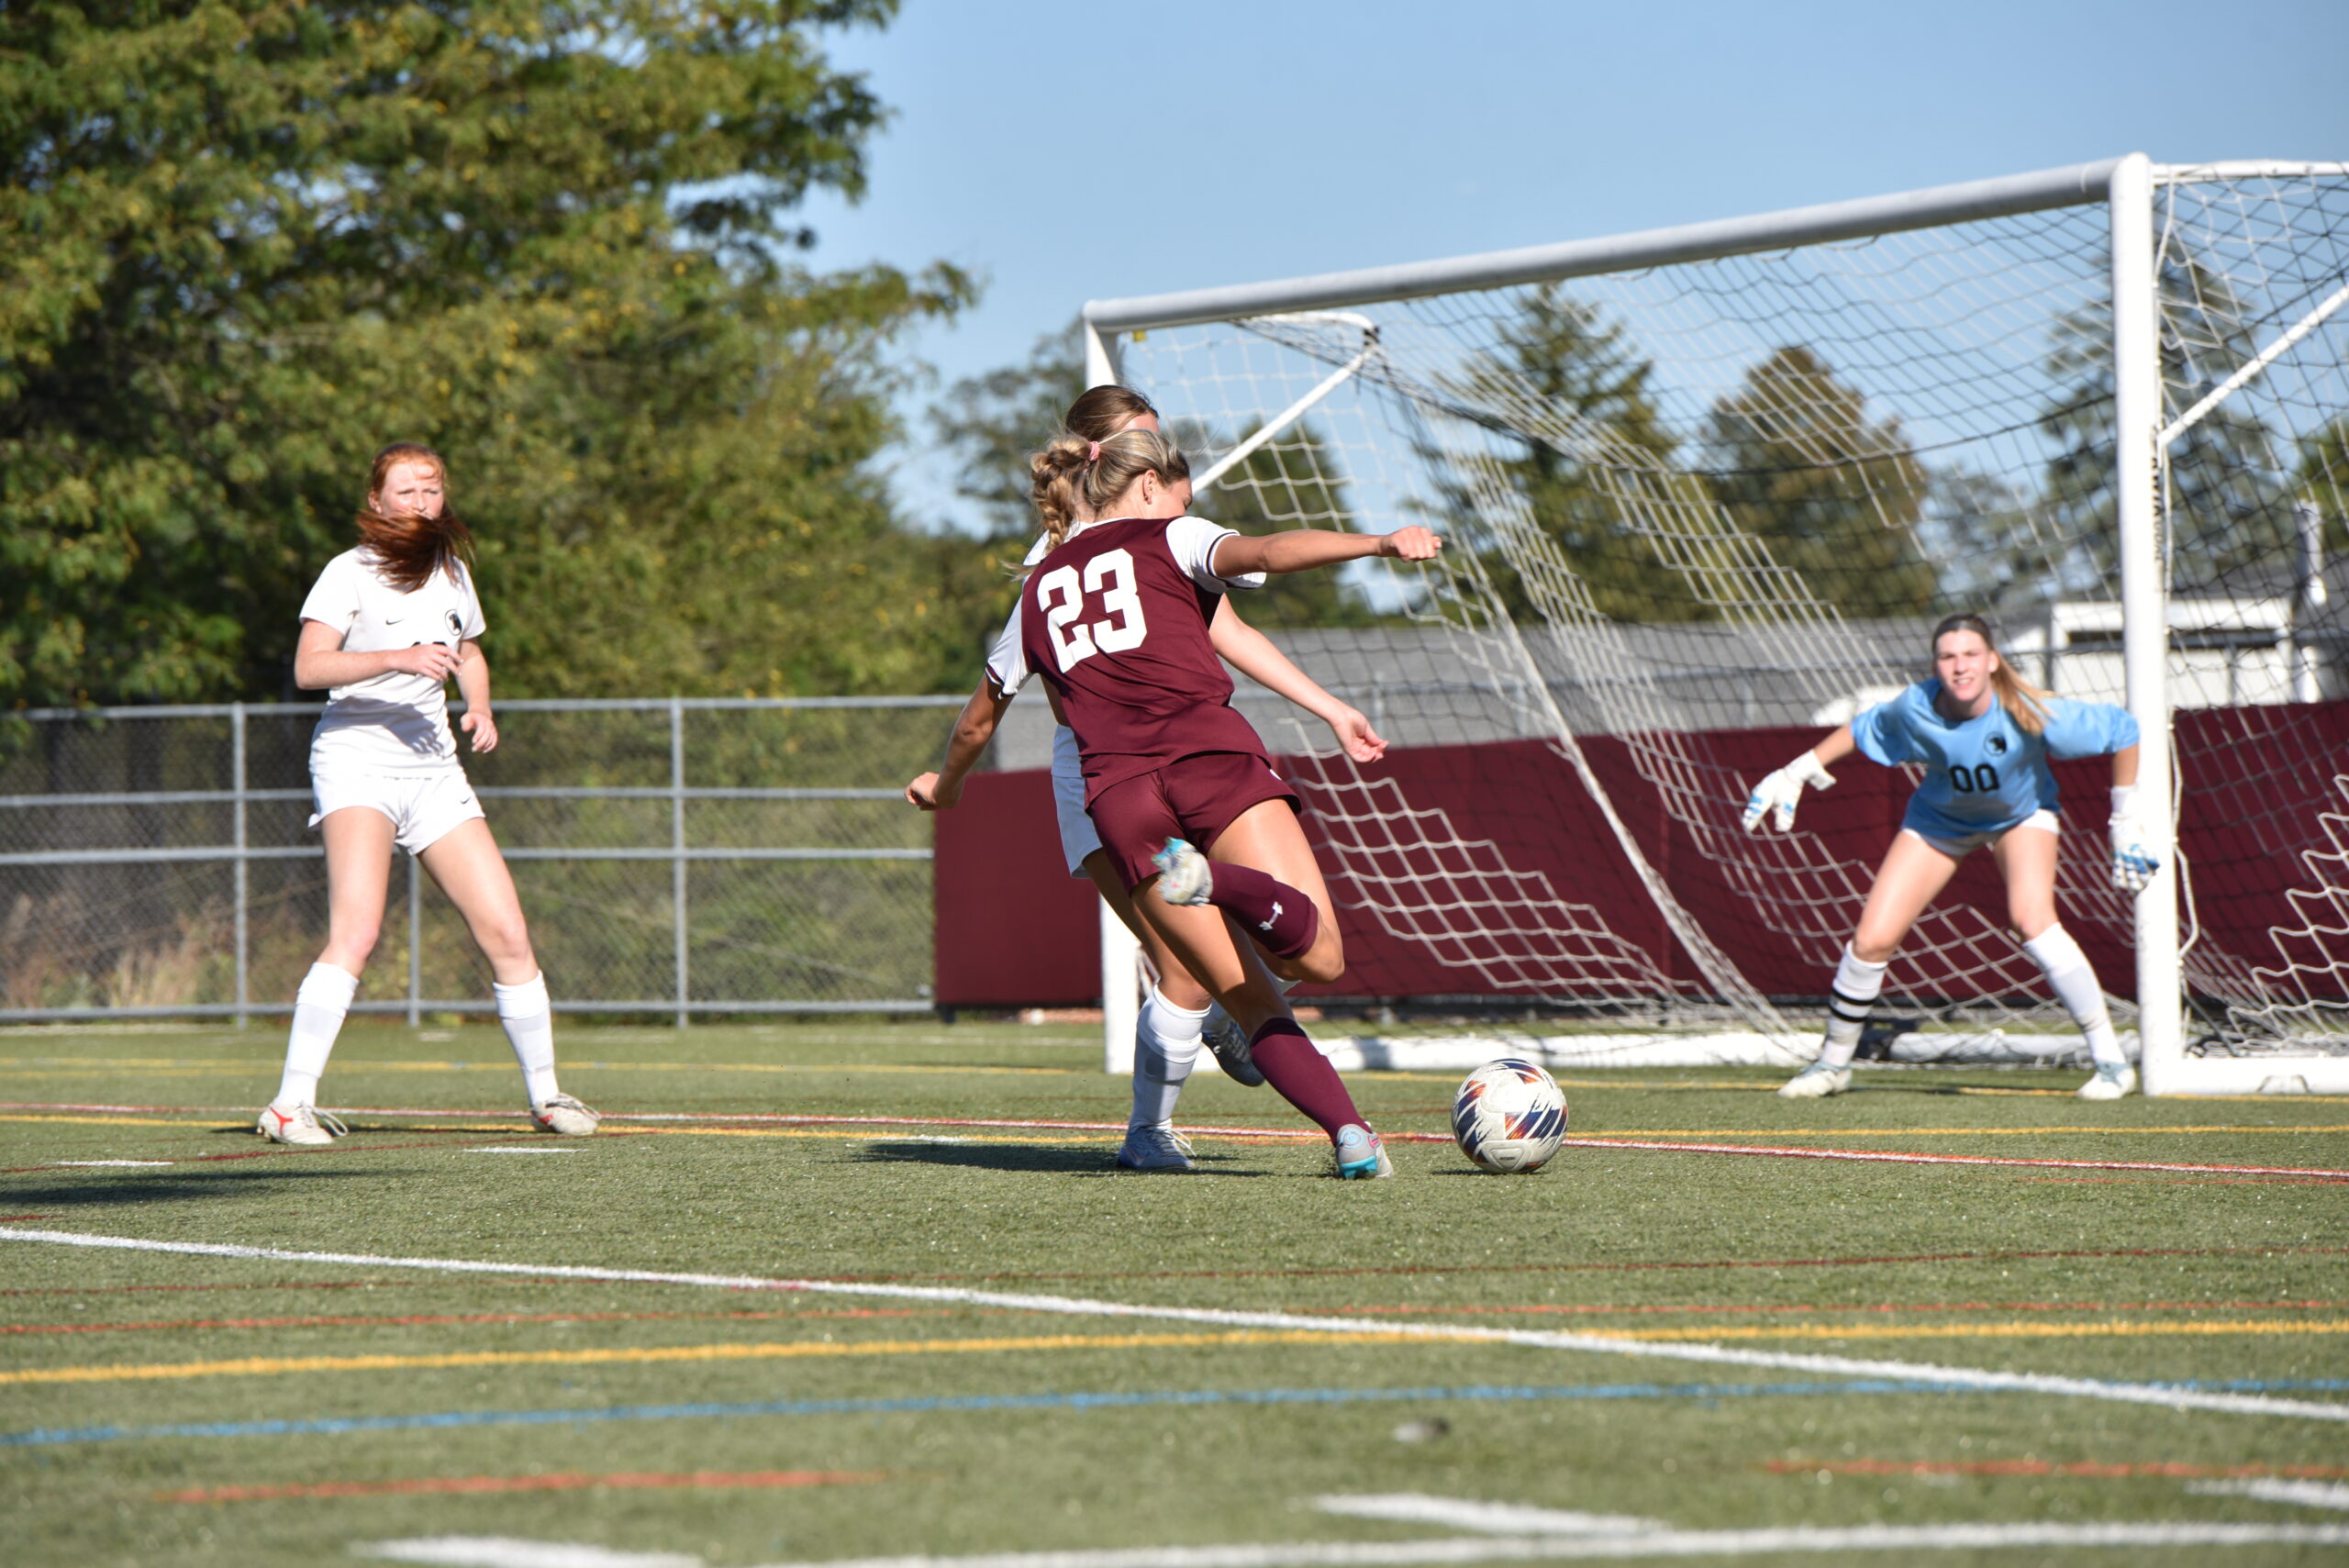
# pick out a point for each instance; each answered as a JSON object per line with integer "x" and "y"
{"x": 1959, "y": 848}
{"x": 1078, "y": 838}
{"x": 423, "y": 808}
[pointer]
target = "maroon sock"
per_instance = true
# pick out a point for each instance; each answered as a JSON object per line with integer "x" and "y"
{"x": 1303, "y": 1076}
{"x": 1283, "y": 921}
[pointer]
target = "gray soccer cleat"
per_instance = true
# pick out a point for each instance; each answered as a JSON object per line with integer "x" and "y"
{"x": 1361, "y": 1156}
{"x": 1149, "y": 1148}
{"x": 2112, "y": 1081}
{"x": 566, "y": 1116}
{"x": 1816, "y": 1082}
{"x": 1229, "y": 1042}
{"x": 301, "y": 1127}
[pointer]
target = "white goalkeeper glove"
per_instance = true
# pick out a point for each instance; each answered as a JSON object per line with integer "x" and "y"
{"x": 1775, "y": 796}
{"x": 2133, "y": 864}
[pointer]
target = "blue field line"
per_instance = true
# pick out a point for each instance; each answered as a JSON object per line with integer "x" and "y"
{"x": 42, "y": 1436}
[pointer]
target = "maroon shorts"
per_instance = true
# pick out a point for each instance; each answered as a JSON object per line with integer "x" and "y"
{"x": 1193, "y": 797}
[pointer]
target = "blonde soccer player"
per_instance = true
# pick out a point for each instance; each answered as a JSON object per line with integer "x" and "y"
{"x": 1984, "y": 738}
{"x": 1178, "y": 1017}
{"x": 386, "y": 626}
{"x": 1115, "y": 618}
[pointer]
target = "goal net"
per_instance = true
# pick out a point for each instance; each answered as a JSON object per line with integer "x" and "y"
{"x": 1706, "y": 491}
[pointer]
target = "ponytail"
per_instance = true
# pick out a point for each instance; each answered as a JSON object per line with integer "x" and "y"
{"x": 1057, "y": 474}
{"x": 2024, "y": 703}
{"x": 407, "y": 551}
{"x": 1072, "y": 469}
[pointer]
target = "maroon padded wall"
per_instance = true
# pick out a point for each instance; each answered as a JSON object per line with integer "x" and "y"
{"x": 1013, "y": 930}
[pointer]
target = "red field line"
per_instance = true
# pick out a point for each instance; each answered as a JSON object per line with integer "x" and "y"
{"x": 1552, "y": 1309}
{"x": 566, "y": 1481}
{"x": 2051, "y": 1467}
{"x": 1410, "y": 1269}
{"x": 372, "y": 1322}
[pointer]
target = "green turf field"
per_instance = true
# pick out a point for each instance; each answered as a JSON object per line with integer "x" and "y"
{"x": 162, "y": 1407}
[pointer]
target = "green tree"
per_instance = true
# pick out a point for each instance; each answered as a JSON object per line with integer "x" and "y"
{"x": 1798, "y": 463}
{"x": 991, "y": 422}
{"x": 251, "y": 240}
{"x": 1579, "y": 400}
{"x": 2324, "y": 479}
{"x": 2229, "y": 506}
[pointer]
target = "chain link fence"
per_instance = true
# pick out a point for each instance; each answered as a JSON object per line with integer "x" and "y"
{"x": 675, "y": 857}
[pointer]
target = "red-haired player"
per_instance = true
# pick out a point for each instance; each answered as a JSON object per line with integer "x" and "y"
{"x": 385, "y": 627}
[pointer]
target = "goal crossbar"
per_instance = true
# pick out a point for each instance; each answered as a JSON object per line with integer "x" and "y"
{"x": 2076, "y": 186}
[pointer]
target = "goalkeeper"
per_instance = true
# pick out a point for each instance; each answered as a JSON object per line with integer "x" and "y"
{"x": 1984, "y": 738}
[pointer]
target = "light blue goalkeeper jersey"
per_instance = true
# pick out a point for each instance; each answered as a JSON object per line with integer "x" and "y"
{"x": 1984, "y": 775}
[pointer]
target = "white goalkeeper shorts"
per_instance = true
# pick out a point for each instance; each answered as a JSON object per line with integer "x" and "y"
{"x": 1078, "y": 838}
{"x": 423, "y": 808}
{"x": 1958, "y": 849}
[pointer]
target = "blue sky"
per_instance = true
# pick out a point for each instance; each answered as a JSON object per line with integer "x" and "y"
{"x": 1064, "y": 151}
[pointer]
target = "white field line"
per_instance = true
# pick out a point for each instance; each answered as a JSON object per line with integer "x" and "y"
{"x": 519, "y": 1149}
{"x": 1080, "y": 1307}
{"x": 474, "y": 1551}
{"x": 2304, "y": 1493}
{"x": 505, "y": 1552}
{"x": 1489, "y": 1518}
{"x": 93, "y": 1165}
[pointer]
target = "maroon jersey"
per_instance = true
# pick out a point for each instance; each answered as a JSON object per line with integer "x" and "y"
{"x": 1116, "y": 620}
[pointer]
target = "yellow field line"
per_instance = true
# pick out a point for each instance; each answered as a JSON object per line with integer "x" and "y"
{"x": 2021, "y": 1330}
{"x": 271, "y": 1366}
{"x": 897, "y": 1134}
{"x": 51, "y": 1066}
{"x": 118, "y": 1120}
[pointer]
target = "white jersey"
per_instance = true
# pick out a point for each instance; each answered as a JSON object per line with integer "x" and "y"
{"x": 395, "y": 722}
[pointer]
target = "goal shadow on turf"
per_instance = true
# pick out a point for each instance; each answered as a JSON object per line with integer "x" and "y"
{"x": 111, "y": 1190}
{"x": 1039, "y": 1158}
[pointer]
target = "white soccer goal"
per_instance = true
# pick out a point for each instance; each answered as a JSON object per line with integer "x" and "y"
{"x": 1707, "y": 488}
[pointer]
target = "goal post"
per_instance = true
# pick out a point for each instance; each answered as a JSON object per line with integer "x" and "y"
{"x": 2144, "y": 615}
{"x": 1708, "y": 487}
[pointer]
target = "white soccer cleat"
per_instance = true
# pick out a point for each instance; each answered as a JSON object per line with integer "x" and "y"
{"x": 1361, "y": 1156}
{"x": 1816, "y": 1082}
{"x": 2113, "y": 1080}
{"x": 302, "y": 1126}
{"x": 1155, "y": 1148}
{"x": 1229, "y": 1042}
{"x": 1185, "y": 877}
{"x": 566, "y": 1116}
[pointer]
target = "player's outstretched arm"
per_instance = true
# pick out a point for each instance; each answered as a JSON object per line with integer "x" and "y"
{"x": 1302, "y": 550}
{"x": 973, "y": 728}
{"x": 1259, "y": 658}
{"x": 1776, "y": 795}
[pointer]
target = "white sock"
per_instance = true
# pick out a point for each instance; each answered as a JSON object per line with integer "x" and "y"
{"x": 2066, "y": 968}
{"x": 1166, "y": 1047}
{"x": 319, "y": 1007}
{"x": 528, "y": 1018}
{"x": 1857, "y": 985}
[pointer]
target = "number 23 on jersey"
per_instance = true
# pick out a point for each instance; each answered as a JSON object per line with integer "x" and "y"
{"x": 1062, "y": 598}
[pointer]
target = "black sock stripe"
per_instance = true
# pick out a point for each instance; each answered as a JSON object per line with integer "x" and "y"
{"x": 1855, "y": 1008}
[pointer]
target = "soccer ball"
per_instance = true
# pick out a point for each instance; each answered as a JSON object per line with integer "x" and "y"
{"x": 1508, "y": 1117}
